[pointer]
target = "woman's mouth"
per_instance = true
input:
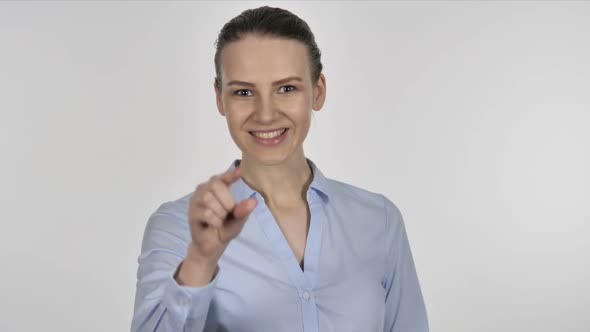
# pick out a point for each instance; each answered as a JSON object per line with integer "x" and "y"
{"x": 270, "y": 137}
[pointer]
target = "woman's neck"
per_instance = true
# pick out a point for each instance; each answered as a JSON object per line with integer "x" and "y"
{"x": 281, "y": 185}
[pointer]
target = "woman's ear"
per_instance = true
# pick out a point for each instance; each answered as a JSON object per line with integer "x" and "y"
{"x": 319, "y": 93}
{"x": 218, "y": 98}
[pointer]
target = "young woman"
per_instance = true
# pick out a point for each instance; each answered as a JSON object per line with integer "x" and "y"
{"x": 271, "y": 244}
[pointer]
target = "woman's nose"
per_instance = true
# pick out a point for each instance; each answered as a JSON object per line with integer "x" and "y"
{"x": 266, "y": 111}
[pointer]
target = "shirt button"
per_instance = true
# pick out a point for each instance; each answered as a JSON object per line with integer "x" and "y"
{"x": 306, "y": 296}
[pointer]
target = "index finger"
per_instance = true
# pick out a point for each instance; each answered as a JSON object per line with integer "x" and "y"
{"x": 231, "y": 175}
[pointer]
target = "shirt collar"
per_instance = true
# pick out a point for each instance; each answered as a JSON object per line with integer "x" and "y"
{"x": 241, "y": 190}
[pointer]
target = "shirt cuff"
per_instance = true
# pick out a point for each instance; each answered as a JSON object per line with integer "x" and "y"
{"x": 184, "y": 302}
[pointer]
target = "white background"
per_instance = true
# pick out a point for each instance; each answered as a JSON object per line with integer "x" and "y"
{"x": 473, "y": 117}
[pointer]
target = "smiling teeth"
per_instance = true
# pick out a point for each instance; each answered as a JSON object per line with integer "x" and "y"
{"x": 268, "y": 135}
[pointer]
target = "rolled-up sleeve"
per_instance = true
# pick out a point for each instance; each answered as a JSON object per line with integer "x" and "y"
{"x": 404, "y": 305}
{"x": 160, "y": 303}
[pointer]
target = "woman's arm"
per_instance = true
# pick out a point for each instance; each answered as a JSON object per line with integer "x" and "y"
{"x": 404, "y": 305}
{"x": 161, "y": 304}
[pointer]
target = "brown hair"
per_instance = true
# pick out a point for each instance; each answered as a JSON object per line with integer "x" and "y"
{"x": 269, "y": 21}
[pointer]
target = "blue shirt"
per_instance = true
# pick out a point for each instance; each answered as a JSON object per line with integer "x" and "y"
{"x": 358, "y": 272}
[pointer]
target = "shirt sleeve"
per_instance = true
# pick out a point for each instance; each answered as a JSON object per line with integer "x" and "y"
{"x": 160, "y": 303}
{"x": 404, "y": 305}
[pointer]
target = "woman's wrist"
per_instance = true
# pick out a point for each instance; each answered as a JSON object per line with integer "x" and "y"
{"x": 196, "y": 270}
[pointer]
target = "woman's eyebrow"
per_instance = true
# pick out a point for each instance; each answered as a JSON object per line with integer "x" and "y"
{"x": 285, "y": 80}
{"x": 240, "y": 83}
{"x": 281, "y": 81}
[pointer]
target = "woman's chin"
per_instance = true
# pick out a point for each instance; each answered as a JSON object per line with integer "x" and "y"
{"x": 267, "y": 158}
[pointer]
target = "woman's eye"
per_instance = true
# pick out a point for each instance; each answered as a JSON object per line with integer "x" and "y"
{"x": 287, "y": 88}
{"x": 243, "y": 93}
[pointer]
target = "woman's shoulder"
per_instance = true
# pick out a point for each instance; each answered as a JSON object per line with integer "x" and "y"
{"x": 350, "y": 190}
{"x": 353, "y": 195}
{"x": 176, "y": 207}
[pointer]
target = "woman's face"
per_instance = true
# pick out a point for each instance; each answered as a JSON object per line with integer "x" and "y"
{"x": 266, "y": 86}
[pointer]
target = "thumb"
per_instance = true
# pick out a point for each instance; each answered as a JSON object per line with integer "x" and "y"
{"x": 244, "y": 208}
{"x": 237, "y": 219}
